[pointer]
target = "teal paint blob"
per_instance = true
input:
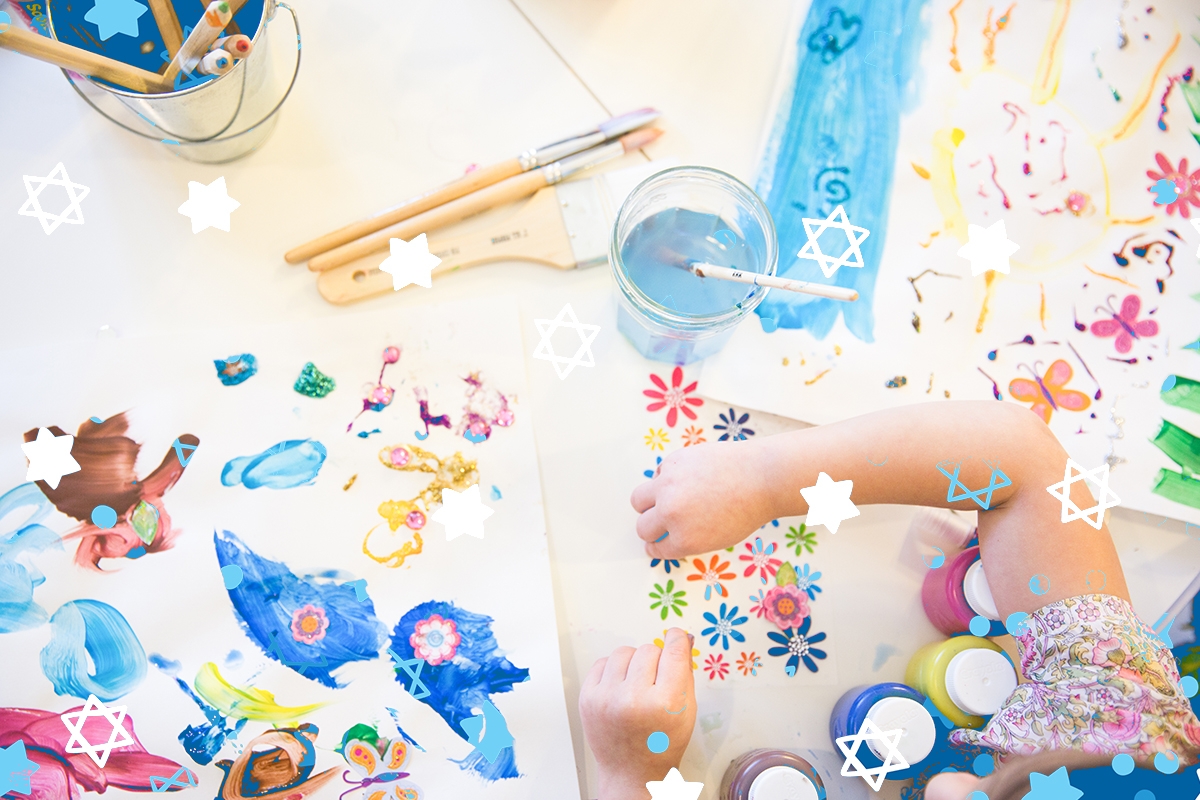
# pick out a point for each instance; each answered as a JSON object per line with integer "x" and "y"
{"x": 92, "y": 650}
{"x": 1166, "y": 763}
{"x": 232, "y": 574}
{"x": 983, "y": 765}
{"x": 104, "y": 517}
{"x": 658, "y": 742}
{"x": 1123, "y": 763}
{"x": 1189, "y": 685}
{"x": 980, "y": 626}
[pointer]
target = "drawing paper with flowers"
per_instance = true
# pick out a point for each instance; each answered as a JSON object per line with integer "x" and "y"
{"x": 945, "y": 129}
{"x": 291, "y": 561}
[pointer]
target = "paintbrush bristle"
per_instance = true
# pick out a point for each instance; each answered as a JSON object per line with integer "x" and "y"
{"x": 612, "y": 128}
{"x": 639, "y": 139}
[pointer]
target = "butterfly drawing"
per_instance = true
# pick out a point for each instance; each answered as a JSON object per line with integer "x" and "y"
{"x": 1049, "y": 393}
{"x": 380, "y": 773}
{"x": 1125, "y": 325}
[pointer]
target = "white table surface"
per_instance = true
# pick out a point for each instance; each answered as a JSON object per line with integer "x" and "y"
{"x": 387, "y": 109}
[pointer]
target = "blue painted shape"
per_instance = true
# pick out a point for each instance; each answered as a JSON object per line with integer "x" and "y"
{"x": 478, "y": 670}
{"x": 182, "y": 779}
{"x": 18, "y": 579}
{"x": 1017, "y": 623}
{"x": 658, "y": 742}
{"x": 937, "y": 714}
{"x": 1123, "y": 763}
{"x": 998, "y": 480}
{"x": 984, "y": 764}
{"x": 15, "y": 769}
{"x": 235, "y": 369}
{"x": 1165, "y": 192}
{"x": 116, "y": 16}
{"x": 180, "y": 447}
{"x": 475, "y": 438}
{"x": 1055, "y": 786}
{"x": 285, "y": 465}
{"x": 360, "y": 589}
{"x": 488, "y": 732}
{"x": 1193, "y": 346}
{"x": 96, "y": 420}
{"x": 92, "y": 650}
{"x": 980, "y": 626}
{"x": 104, "y": 517}
{"x": 1189, "y": 685}
{"x": 834, "y": 143}
{"x": 270, "y": 594}
{"x": 936, "y": 561}
{"x": 165, "y": 664}
{"x": 232, "y": 575}
{"x": 1166, "y": 763}
{"x": 496, "y": 493}
{"x": 203, "y": 742}
{"x": 418, "y": 690}
{"x": 421, "y": 436}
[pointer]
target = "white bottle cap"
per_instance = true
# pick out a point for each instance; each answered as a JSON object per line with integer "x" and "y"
{"x": 782, "y": 783}
{"x": 909, "y": 716}
{"x": 979, "y": 680}
{"x": 978, "y": 593}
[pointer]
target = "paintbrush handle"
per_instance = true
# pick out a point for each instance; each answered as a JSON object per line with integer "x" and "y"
{"x": 471, "y": 182}
{"x": 506, "y": 191}
{"x": 773, "y": 282}
{"x": 168, "y": 25}
{"x": 78, "y": 60}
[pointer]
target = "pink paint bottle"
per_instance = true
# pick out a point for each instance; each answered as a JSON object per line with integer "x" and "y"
{"x": 771, "y": 775}
{"x": 957, "y": 592}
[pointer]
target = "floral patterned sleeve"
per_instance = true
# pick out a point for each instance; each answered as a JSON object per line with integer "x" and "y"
{"x": 1098, "y": 681}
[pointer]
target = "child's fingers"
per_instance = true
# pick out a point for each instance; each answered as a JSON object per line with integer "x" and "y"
{"x": 675, "y": 664}
{"x": 618, "y": 664}
{"x": 643, "y": 667}
{"x": 643, "y": 496}
{"x": 593, "y": 677}
{"x": 650, "y": 526}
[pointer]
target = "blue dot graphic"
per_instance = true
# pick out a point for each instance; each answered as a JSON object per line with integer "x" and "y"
{"x": 658, "y": 742}
{"x": 978, "y": 794}
{"x": 233, "y": 575}
{"x": 1122, "y": 763}
{"x": 980, "y": 626}
{"x": 1144, "y": 794}
{"x": 104, "y": 517}
{"x": 983, "y": 765}
{"x": 1017, "y": 623}
{"x": 1168, "y": 384}
{"x": 1166, "y": 763}
{"x": 1189, "y": 685}
{"x": 769, "y": 324}
{"x": 1039, "y": 584}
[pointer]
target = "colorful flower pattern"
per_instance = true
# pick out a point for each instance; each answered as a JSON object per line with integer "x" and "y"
{"x": 693, "y": 435}
{"x": 309, "y": 624}
{"x": 675, "y": 399}
{"x": 712, "y": 575}
{"x": 669, "y": 599}
{"x": 1186, "y": 184}
{"x": 749, "y": 663}
{"x": 807, "y": 582}
{"x": 760, "y": 559}
{"x": 723, "y": 627}
{"x": 797, "y": 645}
{"x": 801, "y": 538}
{"x": 716, "y": 666}
{"x": 786, "y": 605}
{"x": 734, "y": 426}
{"x": 656, "y": 439}
{"x": 435, "y": 639}
{"x": 668, "y": 563}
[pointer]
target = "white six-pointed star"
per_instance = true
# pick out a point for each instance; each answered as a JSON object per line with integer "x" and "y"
{"x": 209, "y": 206}
{"x": 829, "y": 502}
{"x": 545, "y": 348}
{"x": 874, "y": 776}
{"x": 50, "y": 457}
{"x": 812, "y": 248}
{"x": 410, "y": 262}
{"x": 1098, "y": 477}
{"x": 33, "y": 206}
{"x": 674, "y": 787}
{"x": 988, "y": 248}
{"x": 117, "y": 737}
{"x": 462, "y": 513}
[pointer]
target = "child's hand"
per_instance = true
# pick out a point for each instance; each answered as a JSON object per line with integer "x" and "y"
{"x": 709, "y": 497}
{"x": 630, "y": 695}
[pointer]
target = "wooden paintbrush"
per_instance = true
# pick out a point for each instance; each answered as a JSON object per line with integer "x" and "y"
{"x": 78, "y": 60}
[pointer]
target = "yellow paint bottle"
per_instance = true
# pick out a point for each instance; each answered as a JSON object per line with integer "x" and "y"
{"x": 966, "y": 677}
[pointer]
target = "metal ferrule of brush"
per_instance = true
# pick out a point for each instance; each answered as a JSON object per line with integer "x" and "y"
{"x": 548, "y": 154}
{"x": 597, "y": 155}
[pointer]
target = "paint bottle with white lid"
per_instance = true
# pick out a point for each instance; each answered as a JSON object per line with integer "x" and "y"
{"x": 891, "y": 706}
{"x": 771, "y": 775}
{"x": 955, "y": 593}
{"x": 966, "y": 678}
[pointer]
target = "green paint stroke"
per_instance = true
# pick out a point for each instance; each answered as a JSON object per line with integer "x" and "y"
{"x": 1178, "y": 488}
{"x": 1180, "y": 446}
{"x": 1182, "y": 392}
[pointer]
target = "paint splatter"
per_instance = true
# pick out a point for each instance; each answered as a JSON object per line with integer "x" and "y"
{"x": 380, "y": 396}
{"x": 441, "y": 420}
{"x": 989, "y": 34}
{"x": 236, "y": 369}
{"x": 882, "y": 653}
{"x": 896, "y": 382}
{"x": 92, "y": 650}
{"x": 913, "y": 280}
{"x": 285, "y": 465}
{"x": 477, "y": 670}
{"x": 18, "y": 578}
{"x": 276, "y": 764}
{"x": 203, "y": 742}
{"x": 250, "y": 702}
{"x": 484, "y": 408}
{"x": 313, "y": 383}
{"x": 107, "y": 458}
{"x": 995, "y": 386}
{"x": 274, "y": 608}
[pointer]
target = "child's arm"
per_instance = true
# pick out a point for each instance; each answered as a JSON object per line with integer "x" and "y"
{"x": 630, "y": 695}
{"x": 712, "y": 496}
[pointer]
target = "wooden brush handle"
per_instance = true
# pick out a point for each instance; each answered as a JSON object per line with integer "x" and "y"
{"x": 497, "y": 194}
{"x": 82, "y": 61}
{"x": 471, "y": 182}
{"x": 168, "y": 25}
{"x": 534, "y": 232}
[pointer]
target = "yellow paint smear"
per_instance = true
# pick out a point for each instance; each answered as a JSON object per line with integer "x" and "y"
{"x": 1142, "y": 221}
{"x": 249, "y": 703}
{"x": 1049, "y": 68}
{"x": 818, "y": 377}
{"x": 943, "y": 184}
{"x": 924, "y": 173}
{"x": 1141, "y": 101}
{"x": 1110, "y": 277}
{"x": 990, "y": 283}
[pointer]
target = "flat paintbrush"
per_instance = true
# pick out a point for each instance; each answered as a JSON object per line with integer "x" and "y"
{"x": 702, "y": 270}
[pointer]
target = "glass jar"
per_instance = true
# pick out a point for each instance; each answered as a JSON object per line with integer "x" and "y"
{"x": 676, "y": 217}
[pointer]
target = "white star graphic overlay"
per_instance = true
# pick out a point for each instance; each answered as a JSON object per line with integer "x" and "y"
{"x": 1098, "y": 477}
{"x": 545, "y": 348}
{"x": 674, "y": 787}
{"x": 50, "y": 457}
{"x": 829, "y": 502}
{"x": 462, "y": 513}
{"x": 874, "y": 776}
{"x": 33, "y": 206}
{"x": 988, "y": 248}
{"x": 410, "y": 262}
{"x": 98, "y": 752}
{"x": 812, "y": 248}
{"x": 209, "y": 206}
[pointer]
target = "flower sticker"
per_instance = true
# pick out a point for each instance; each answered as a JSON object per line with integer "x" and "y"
{"x": 801, "y": 538}
{"x": 435, "y": 639}
{"x": 722, "y": 627}
{"x": 674, "y": 399}
{"x": 733, "y": 427}
{"x": 760, "y": 559}
{"x": 759, "y": 609}
{"x": 650, "y": 473}
{"x": 716, "y": 666}
{"x": 655, "y": 439}
{"x": 1187, "y": 185}
{"x": 807, "y": 582}
{"x": 712, "y": 575}
{"x": 798, "y": 646}
{"x": 693, "y": 435}
{"x": 668, "y": 598}
{"x": 786, "y": 605}
{"x": 750, "y": 663}
{"x": 309, "y": 624}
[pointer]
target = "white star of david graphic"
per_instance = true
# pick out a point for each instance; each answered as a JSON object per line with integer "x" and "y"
{"x": 99, "y": 753}
{"x": 812, "y": 248}
{"x": 33, "y": 206}
{"x": 1070, "y": 511}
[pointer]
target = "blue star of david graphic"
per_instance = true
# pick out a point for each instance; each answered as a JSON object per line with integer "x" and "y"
{"x": 998, "y": 481}
{"x": 299, "y": 666}
{"x": 415, "y": 685}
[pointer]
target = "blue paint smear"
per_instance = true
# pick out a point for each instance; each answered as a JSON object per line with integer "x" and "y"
{"x": 165, "y": 664}
{"x": 834, "y": 143}
{"x": 203, "y": 742}
{"x": 18, "y": 612}
{"x": 396, "y": 719}
{"x": 286, "y": 465}
{"x": 270, "y": 593}
{"x": 477, "y": 671}
{"x": 88, "y": 628}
